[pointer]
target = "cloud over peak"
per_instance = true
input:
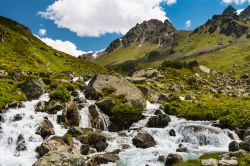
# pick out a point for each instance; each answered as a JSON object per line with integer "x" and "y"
{"x": 237, "y": 2}
{"x": 98, "y": 17}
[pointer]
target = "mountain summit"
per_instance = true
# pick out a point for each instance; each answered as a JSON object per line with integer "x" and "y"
{"x": 153, "y": 31}
{"x": 230, "y": 10}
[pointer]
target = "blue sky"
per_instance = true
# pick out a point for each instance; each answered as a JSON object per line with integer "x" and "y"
{"x": 100, "y": 26}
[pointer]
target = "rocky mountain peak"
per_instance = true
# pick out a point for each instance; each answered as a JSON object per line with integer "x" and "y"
{"x": 153, "y": 31}
{"x": 245, "y": 13}
{"x": 230, "y": 10}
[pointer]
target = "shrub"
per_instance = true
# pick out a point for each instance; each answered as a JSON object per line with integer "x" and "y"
{"x": 60, "y": 94}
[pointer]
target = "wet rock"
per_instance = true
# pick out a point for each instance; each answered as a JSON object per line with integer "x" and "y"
{"x": 66, "y": 157}
{"x": 209, "y": 162}
{"x": 173, "y": 159}
{"x": 228, "y": 162}
{"x": 20, "y": 138}
{"x": 84, "y": 149}
{"x": 53, "y": 107}
{"x": 161, "y": 159}
{"x": 172, "y": 133}
{"x": 125, "y": 146}
{"x": 80, "y": 100}
{"x": 102, "y": 159}
{"x": 182, "y": 149}
{"x": 158, "y": 112}
{"x": 245, "y": 146}
{"x": 234, "y": 146}
{"x": 46, "y": 129}
{"x": 106, "y": 105}
{"x": 95, "y": 120}
{"x": 98, "y": 141}
{"x": 159, "y": 121}
{"x": 247, "y": 133}
{"x": 71, "y": 116}
{"x": 41, "y": 106}
{"x": 21, "y": 146}
{"x": 33, "y": 88}
{"x": 74, "y": 93}
{"x": 143, "y": 140}
{"x": 91, "y": 94}
{"x": 17, "y": 117}
{"x": 14, "y": 105}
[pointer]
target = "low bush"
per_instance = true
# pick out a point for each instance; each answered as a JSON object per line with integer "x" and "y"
{"x": 60, "y": 94}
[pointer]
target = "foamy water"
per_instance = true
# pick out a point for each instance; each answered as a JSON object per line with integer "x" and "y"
{"x": 216, "y": 141}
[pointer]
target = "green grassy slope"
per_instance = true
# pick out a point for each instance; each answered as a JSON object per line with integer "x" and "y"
{"x": 23, "y": 50}
{"x": 120, "y": 55}
{"x": 234, "y": 57}
{"x": 20, "y": 49}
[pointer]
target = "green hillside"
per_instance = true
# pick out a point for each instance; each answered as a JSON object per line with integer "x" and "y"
{"x": 21, "y": 51}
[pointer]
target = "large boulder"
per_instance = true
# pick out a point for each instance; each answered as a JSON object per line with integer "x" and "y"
{"x": 33, "y": 88}
{"x": 234, "y": 146}
{"x": 143, "y": 140}
{"x": 54, "y": 144}
{"x": 159, "y": 121}
{"x": 71, "y": 115}
{"x": 119, "y": 86}
{"x": 173, "y": 159}
{"x": 149, "y": 73}
{"x": 98, "y": 142}
{"x": 46, "y": 129}
{"x": 68, "y": 156}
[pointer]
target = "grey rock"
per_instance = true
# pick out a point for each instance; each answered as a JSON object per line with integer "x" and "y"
{"x": 173, "y": 159}
{"x": 143, "y": 140}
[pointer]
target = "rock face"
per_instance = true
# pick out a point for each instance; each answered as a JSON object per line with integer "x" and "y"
{"x": 245, "y": 13}
{"x": 33, "y": 88}
{"x": 70, "y": 115}
{"x": 173, "y": 159}
{"x": 119, "y": 86}
{"x": 159, "y": 121}
{"x": 229, "y": 11}
{"x": 152, "y": 31}
{"x": 46, "y": 129}
{"x": 143, "y": 140}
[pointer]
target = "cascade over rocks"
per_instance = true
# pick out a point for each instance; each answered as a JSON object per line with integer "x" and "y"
{"x": 33, "y": 88}
{"x": 95, "y": 120}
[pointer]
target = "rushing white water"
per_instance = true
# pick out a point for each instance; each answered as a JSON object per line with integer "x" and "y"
{"x": 198, "y": 136}
{"x": 27, "y": 128}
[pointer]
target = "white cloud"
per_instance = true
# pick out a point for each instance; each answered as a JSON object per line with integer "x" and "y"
{"x": 97, "y": 17}
{"x": 188, "y": 23}
{"x": 42, "y": 32}
{"x": 171, "y": 2}
{"x": 64, "y": 46}
{"x": 237, "y": 2}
